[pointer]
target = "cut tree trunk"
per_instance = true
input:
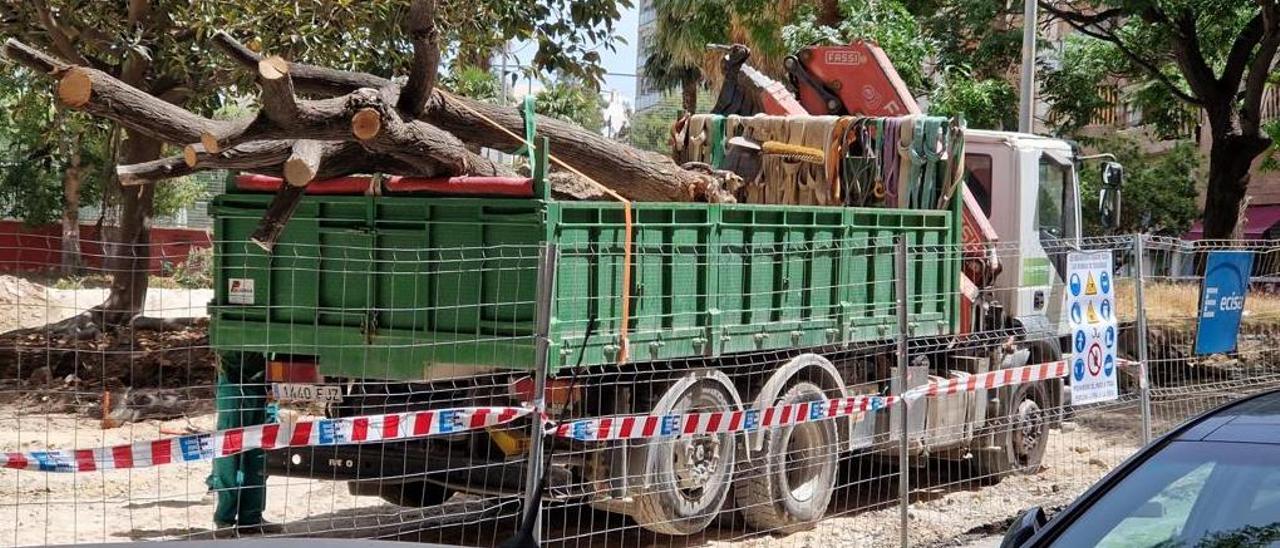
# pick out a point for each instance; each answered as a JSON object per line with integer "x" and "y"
{"x": 633, "y": 173}
{"x": 636, "y": 174}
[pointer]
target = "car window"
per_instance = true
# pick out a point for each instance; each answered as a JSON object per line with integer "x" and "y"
{"x": 1162, "y": 516}
{"x": 1190, "y": 494}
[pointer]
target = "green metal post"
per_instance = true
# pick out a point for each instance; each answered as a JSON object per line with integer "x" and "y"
{"x": 541, "y": 186}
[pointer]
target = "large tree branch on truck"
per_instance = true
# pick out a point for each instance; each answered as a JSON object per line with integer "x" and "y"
{"x": 633, "y": 173}
{"x": 337, "y": 159}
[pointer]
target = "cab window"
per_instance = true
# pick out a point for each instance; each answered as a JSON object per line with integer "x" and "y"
{"x": 1055, "y": 209}
{"x": 977, "y": 178}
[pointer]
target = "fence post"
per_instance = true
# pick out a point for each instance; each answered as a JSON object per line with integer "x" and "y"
{"x": 900, "y": 293}
{"x": 1144, "y": 386}
{"x": 547, "y": 259}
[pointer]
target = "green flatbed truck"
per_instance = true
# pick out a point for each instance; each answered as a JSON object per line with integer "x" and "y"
{"x": 416, "y": 302}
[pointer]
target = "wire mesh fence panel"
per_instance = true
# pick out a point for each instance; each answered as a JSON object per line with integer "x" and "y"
{"x": 1185, "y": 381}
{"x": 684, "y": 376}
{"x": 1002, "y": 434}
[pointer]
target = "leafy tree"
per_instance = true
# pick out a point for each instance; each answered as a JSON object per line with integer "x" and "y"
{"x": 473, "y": 82}
{"x": 989, "y": 104}
{"x": 571, "y": 100}
{"x": 148, "y": 44}
{"x": 1159, "y": 190}
{"x": 913, "y": 45}
{"x": 1211, "y": 55}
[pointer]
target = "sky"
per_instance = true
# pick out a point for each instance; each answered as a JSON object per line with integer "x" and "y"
{"x": 621, "y": 64}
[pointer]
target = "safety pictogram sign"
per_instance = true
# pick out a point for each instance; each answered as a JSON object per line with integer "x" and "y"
{"x": 1093, "y": 333}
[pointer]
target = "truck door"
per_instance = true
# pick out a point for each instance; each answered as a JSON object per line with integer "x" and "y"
{"x": 1050, "y": 213}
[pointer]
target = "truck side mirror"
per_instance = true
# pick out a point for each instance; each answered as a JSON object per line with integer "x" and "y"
{"x": 1024, "y": 527}
{"x": 1109, "y": 197}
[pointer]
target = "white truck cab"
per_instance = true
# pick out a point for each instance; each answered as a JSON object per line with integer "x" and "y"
{"x": 1029, "y": 190}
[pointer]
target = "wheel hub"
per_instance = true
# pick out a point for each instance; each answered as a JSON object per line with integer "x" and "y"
{"x": 697, "y": 460}
{"x": 1028, "y": 429}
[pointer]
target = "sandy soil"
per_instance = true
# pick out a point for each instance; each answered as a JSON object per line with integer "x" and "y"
{"x": 27, "y": 304}
{"x": 147, "y": 504}
{"x": 173, "y": 501}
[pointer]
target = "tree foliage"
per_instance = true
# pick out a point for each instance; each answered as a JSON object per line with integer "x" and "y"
{"x": 1159, "y": 189}
{"x": 473, "y": 82}
{"x": 990, "y": 103}
{"x": 1175, "y": 56}
{"x": 36, "y": 140}
{"x": 571, "y": 100}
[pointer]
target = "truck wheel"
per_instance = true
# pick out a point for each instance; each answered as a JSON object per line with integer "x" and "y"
{"x": 414, "y": 494}
{"x": 690, "y": 476}
{"x": 789, "y": 488}
{"x": 1022, "y": 437}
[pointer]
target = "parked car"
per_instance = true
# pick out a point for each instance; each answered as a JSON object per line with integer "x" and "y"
{"x": 1214, "y": 481}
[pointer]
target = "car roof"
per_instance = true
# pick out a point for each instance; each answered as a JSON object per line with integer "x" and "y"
{"x": 1254, "y": 420}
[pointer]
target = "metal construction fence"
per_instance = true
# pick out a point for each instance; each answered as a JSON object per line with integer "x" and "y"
{"x": 801, "y": 390}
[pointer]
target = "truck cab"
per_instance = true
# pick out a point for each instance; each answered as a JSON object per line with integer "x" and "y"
{"x": 1028, "y": 189}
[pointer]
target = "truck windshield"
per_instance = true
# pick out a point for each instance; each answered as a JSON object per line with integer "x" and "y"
{"x": 1055, "y": 208}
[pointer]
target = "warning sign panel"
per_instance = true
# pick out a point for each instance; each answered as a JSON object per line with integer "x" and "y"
{"x": 1093, "y": 327}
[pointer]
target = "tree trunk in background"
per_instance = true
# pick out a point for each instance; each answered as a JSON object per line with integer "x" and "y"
{"x": 689, "y": 92}
{"x": 130, "y": 263}
{"x": 71, "y": 179}
{"x": 829, "y": 13}
{"x": 1230, "y": 157}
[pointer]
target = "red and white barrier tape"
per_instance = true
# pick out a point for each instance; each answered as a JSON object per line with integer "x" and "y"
{"x": 419, "y": 424}
{"x": 715, "y": 422}
{"x": 997, "y": 379}
{"x": 225, "y": 443}
{"x": 751, "y": 420}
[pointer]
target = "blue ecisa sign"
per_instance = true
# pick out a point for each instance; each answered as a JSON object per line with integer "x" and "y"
{"x": 1226, "y": 282}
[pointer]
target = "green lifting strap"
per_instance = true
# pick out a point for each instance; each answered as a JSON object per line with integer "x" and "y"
{"x": 717, "y": 141}
{"x": 530, "y": 130}
{"x": 934, "y": 151}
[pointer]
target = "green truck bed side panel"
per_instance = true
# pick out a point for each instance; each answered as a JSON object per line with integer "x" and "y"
{"x": 403, "y": 288}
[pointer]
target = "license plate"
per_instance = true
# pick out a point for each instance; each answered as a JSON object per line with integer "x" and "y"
{"x": 306, "y": 392}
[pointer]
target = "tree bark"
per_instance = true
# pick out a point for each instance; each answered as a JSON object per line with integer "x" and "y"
{"x": 131, "y": 262}
{"x": 71, "y": 180}
{"x": 267, "y": 158}
{"x": 689, "y": 92}
{"x": 1230, "y": 158}
{"x": 635, "y": 174}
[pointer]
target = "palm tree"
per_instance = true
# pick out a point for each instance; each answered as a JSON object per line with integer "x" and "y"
{"x": 679, "y": 46}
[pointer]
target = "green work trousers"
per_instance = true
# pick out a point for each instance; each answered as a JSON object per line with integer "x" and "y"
{"x": 239, "y": 480}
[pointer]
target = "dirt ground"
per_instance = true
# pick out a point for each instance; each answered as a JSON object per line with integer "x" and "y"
{"x": 174, "y": 502}
{"x": 24, "y": 303}
{"x": 148, "y": 504}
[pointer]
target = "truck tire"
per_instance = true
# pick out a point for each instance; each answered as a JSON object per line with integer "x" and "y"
{"x": 790, "y": 485}
{"x": 414, "y": 494}
{"x": 690, "y": 477}
{"x": 1021, "y": 436}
